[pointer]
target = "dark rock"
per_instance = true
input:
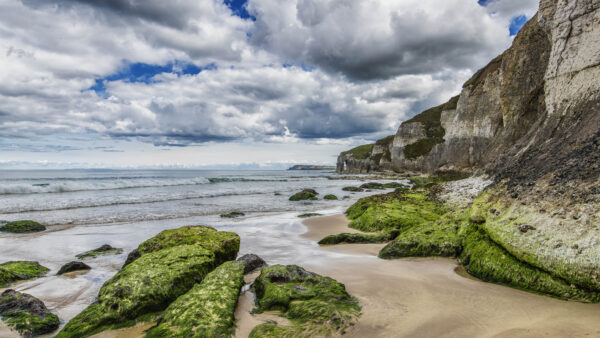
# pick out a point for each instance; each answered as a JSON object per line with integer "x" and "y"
{"x": 233, "y": 214}
{"x": 132, "y": 256}
{"x": 331, "y": 197}
{"x": 20, "y": 227}
{"x": 103, "y": 250}
{"x": 525, "y": 227}
{"x": 26, "y": 314}
{"x": 252, "y": 262}
{"x": 305, "y": 194}
{"x": 372, "y": 185}
{"x": 73, "y": 266}
{"x": 353, "y": 189}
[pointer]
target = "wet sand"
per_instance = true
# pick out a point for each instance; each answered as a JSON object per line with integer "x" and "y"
{"x": 427, "y": 298}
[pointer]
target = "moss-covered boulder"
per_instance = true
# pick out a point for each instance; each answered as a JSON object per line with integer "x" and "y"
{"x": 399, "y": 209}
{"x": 101, "y": 251}
{"x": 330, "y": 197}
{"x": 233, "y": 214}
{"x": 225, "y": 245}
{"x": 26, "y": 314}
{"x": 306, "y": 194}
{"x": 73, "y": 266}
{"x": 316, "y": 305}
{"x": 353, "y": 189}
{"x": 207, "y": 310}
{"x": 19, "y": 227}
{"x": 372, "y": 185}
{"x": 347, "y": 238}
{"x": 309, "y": 215}
{"x": 20, "y": 270}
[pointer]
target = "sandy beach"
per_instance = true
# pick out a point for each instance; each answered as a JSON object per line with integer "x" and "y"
{"x": 427, "y": 298}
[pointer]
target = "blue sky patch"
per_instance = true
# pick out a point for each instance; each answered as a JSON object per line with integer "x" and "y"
{"x": 238, "y": 7}
{"x": 516, "y": 23}
{"x": 484, "y": 2}
{"x": 143, "y": 72}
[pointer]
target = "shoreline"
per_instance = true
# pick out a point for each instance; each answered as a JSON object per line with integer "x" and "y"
{"x": 427, "y": 297}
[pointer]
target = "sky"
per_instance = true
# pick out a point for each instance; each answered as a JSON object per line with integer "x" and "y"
{"x": 230, "y": 84}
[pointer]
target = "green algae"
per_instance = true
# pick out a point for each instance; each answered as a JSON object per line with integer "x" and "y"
{"x": 147, "y": 285}
{"x": 330, "y": 197}
{"x": 101, "y": 251}
{"x": 20, "y": 270}
{"x": 316, "y": 305}
{"x": 400, "y": 210}
{"x": 353, "y": 189}
{"x": 26, "y": 314}
{"x": 306, "y": 194}
{"x": 233, "y": 214}
{"x": 207, "y": 310}
{"x": 348, "y": 238}
{"x": 225, "y": 245}
{"x": 22, "y": 227}
{"x": 310, "y": 214}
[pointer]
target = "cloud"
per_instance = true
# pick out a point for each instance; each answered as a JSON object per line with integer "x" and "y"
{"x": 180, "y": 73}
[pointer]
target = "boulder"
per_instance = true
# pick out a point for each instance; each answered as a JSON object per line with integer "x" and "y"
{"x": 103, "y": 250}
{"x": 251, "y": 262}
{"x": 233, "y": 214}
{"x": 19, "y": 227}
{"x": 306, "y": 194}
{"x": 73, "y": 266}
{"x": 26, "y": 314}
{"x": 20, "y": 270}
{"x": 331, "y": 197}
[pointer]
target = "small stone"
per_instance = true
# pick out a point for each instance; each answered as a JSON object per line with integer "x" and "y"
{"x": 525, "y": 227}
{"x": 73, "y": 266}
{"x": 252, "y": 262}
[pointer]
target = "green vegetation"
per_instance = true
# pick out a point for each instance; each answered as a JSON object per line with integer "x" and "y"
{"x": 361, "y": 152}
{"x": 233, "y": 214}
{"x": 347, "y": 238}
{"x": 207, "y": 310}
{"x": 163, "y": 268}
{"x": 20, "y": 227}
{"x": 315, "y": 305}
{"x": 20, "y": 270}
{"x": 381, "y": 186}
{"x": 353, "y": 189}
{"x": 103, "y": 250}
{"x": 306, "y": 194}
{"x": 331, "y": 197}
{"x": 434, "y": 132}
{"x": 26, "y": 314}
{"x": 308, "y": 215}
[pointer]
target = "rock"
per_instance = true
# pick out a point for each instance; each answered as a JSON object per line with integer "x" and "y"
{"x": 73, "y": 266}
{"x": 26, "y": 314}
{"x": 22, "y": 227}
{"x": 330, "y": 197}
{"x": 353, "y": 189}
{"x": 169, "y": 265}
{"x": 367, "y": 158}
{"x": 233, "y": 214}
{"x": 207, "y": 310}
{"x": 101, "y": 251}
{"x": 306, "y": 194}
{"x": 310, "y": 214}
{"x": 355, "y": 238}
{"x": 20, "y": 270}
{"x": 372, "y": 185}
{"x": 525, "y": 227}
{"x": 252, "y": 262}
{"x": 313, "y": 303}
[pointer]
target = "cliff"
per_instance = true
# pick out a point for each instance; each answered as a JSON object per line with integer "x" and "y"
{"x": 367, "y": 158}
{"x": 530, "y": 120}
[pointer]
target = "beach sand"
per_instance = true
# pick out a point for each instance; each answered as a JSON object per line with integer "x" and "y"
{"x": 425, "y": 297}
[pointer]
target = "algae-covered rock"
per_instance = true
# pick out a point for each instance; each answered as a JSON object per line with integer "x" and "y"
{"x": 26, "y": 314}
{"x": 310, "y": 214}
{"x": 225, "y": 245}
{"x": 233, "y": 214}
{"x": 330, "y": 197}
{"x": 353, "y": 189}
{"x": 207, "y": 310}
{"x": 306, "y": 194}
{"x": 147, "y": 285}
{"x": 347, "y": 238}
{"x": 252, "y": 262}
{"x": 372, "y": 185}
{"x": 316, "y": 305}
{"x": 73, "y": 266}
{"x": 22, "y": 227}
{"x": 101, "y": 251}
{"x": 20, "y": 270}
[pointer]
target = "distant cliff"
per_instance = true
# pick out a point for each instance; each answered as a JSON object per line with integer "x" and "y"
{"x": 311, "y": 167}
{"x": 367, "y": 158}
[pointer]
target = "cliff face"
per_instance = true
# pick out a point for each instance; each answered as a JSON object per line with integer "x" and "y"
{"x": 367, "y": 158}
{"x": 530, "y": 120}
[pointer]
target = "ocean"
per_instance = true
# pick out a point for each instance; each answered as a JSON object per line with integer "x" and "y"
{"x": 84, "y": 209}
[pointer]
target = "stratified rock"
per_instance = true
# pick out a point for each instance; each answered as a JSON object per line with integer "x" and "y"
{"x": 22, "y": 227}
{"x": 73, "y": 266}
{"x": 367, "y": 158}
{"x": 101, "y": 251}
{"x": 207, "y": 310}
{"x": 20, "y": 270}
{"x": 315, "y": 304}
{"x": 26, "y": 314}
{"x": 252, "y": 262}
{"x": 305, "y": 194}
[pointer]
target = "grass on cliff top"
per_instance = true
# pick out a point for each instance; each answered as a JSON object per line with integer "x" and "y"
{"x": 19, "y": 227}
{"x": 207, "y": 310}
{"x": 20, "y": 270}
{"x": 361, "y": 152}
{"x": 316, "y": 305}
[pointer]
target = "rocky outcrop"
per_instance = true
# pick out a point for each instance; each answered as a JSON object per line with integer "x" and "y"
{"x": 252, "y": 262}
{"x": 367, "y": 158}
{"x": 26, "y": 314}
{"x": 20, "y": 270}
